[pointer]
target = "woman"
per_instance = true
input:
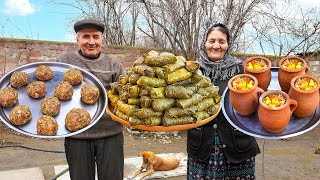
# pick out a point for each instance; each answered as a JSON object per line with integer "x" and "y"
{"x": 217, "y": 150}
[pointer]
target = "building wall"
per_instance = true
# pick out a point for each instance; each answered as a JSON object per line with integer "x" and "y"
{"x": 16, "y": 52}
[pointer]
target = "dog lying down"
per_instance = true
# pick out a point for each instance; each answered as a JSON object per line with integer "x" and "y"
{"x": 152, "y": 163}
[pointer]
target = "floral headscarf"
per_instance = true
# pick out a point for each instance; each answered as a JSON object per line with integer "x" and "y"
{"x": 222, "y": 69}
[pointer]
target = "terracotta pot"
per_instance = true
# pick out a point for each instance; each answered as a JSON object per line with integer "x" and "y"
{"x": 276, "y": 119}
{"x": 286, "y": 75}
{"x": 308, "y": 101}
{"x": 245, "y": 102}
{"x": 263, "y": 76}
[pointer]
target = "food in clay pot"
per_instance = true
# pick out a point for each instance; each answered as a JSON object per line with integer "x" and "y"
{"x": 20, "y": 115}
{"x": 89, "y": 93}
{"x": 19, "y": 79}
{"x": 36, "y": 89}
{"x": 259, "y": 67}
{"x": 63, "y": 90}
{"x": 77, "y": 119}
{"x": 290, "y": 67}
{"x": 8, "y": 97}
{"x": 44, "y": 73}
{"x": 47, "y": 126}
{"x": 50, "y": 106}
{"x": 244, "y": 93}
{"x": 73, "y": 76}
{"x": 275, "y": 110}
{"x": 305, "y": 90}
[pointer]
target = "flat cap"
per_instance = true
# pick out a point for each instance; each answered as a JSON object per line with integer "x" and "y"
{"x": 88, "y": 23}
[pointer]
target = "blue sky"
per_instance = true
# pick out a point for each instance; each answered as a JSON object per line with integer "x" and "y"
{"x": 36, "y": 19}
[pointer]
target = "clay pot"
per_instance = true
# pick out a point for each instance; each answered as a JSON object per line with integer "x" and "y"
{"x": 274, "y": 120}
{"x": 263, "y": 76}
{"x": 245, "y": 102}
{"x": 308, "y": 101}
{"x": 286, "y": 75}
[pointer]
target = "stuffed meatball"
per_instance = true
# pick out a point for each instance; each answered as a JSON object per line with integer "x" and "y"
{"x": 73, "y": 76}
{"x": 8, "y": 97}
{"x": 50, "y": 106}
{"x": 77, "y": 118}
{"x": 47, "y": 126}
{"x": 63, "y": 90}
{"x": 36, "y": 89}
{"x": 19, "y": 79}
{"x": 44, "y": 73}
{"x": 20, "y": 115}
{"x": 89, "y": 93}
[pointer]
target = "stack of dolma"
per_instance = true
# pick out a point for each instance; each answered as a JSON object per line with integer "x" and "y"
{"x": 162, "y": 89}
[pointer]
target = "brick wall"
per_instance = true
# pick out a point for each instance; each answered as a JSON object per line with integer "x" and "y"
{"x": 16, "y": 52}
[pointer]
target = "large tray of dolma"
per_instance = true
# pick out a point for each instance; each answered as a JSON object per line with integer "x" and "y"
{"x": 162, "y": 128}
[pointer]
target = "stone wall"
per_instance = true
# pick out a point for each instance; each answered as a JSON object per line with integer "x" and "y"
{"x": 16, "y": 52}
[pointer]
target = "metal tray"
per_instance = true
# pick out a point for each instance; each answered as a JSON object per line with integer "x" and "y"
{"x": 96, "y": 110}
{"x": 250, "y": 124}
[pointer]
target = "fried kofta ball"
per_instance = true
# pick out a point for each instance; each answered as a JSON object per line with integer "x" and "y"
{"x": 50, "y": 106}
{"x": 63, "y": 90}
{"x": 20, "y": 115}
{"x": 44, "y": 73}
{"x": 73, "y": 76}
{"x": 77, "y": 118}
{"x": 8, "y": 97}
{"x": 36, "y": 89}
{"x": 47, "y": 126}
{"x": 19, "y": 79}
{"x": 89, "y": 93}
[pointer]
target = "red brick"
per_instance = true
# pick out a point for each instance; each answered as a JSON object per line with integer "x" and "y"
{"x": 34, "y": 53}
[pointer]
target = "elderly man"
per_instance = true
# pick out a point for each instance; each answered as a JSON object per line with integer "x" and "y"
{"x": 102, "y": 144}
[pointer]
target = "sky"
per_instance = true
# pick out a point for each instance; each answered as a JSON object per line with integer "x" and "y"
{"x": 42, "y": 20}
{"x": 36, "y": 19}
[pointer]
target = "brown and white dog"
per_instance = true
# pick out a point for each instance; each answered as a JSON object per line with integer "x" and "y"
{"x": 152, "y": 163}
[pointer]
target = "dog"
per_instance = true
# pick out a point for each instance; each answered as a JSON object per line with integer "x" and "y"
{"x": 152, "y": 163}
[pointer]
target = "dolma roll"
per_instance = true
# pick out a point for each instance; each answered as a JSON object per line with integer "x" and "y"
{"x": 192, "y": 66}
{"x": 160, "y": 59}
{"x": 213, "y": 109}
{"x": 145, "y": 101}
{"x": 204, "y": 82}
{"x": 133, "y": 120}
{"x": 184, "y": 103}
{"x": 210, "y": 91}
{"x": 129, "y": 110}
{"x": 113, "y": 98}
{"x": 151, "y": 81}
{"x": 144, "y": 70}
{"x": 205, "y": 104}
{"x": 153, "y": 121}
{"x": 121, "y": 115}
{"x": 184, "y": 82}
{"x": 159, "y": 72}
{"x": 177, "y": 91}
{"x": 124, "y": 96}
{"x": 199, "y": 116}
{"x": 123, "y": 79}
{"x": 178, "y": 75}
{"x": 134, "y": 101}
{"x": 147, "y": 112}
{"x": 134, "y": 91}
{"x": 178, "y": 112}
{"x": 138, "y": 61}
{"x": 174, "y": 66}
{"x": 144, "y": 91}
{"x": 169, "y": 121}
{"x": 156, "y": 93}
{"x": 191, "y": 87}
{"x": 133, "y": 78}
{"x": 162, "y": 104}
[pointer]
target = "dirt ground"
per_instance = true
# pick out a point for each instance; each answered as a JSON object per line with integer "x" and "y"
{"x": 287, "y": 159}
